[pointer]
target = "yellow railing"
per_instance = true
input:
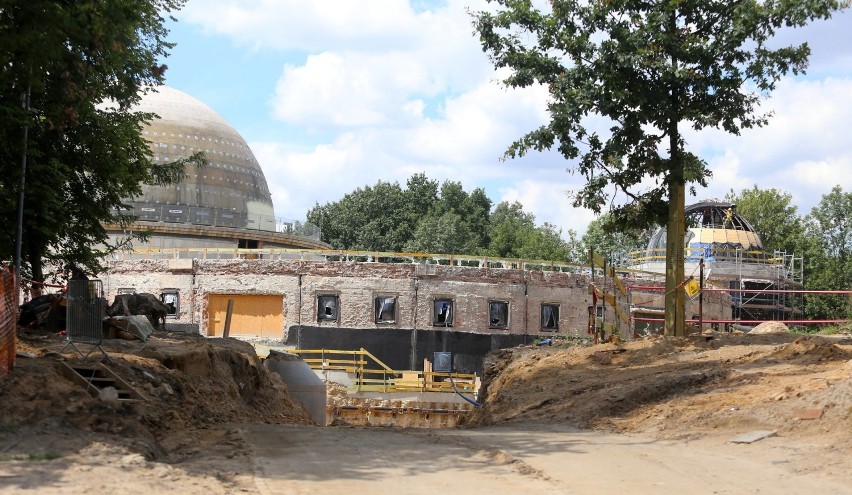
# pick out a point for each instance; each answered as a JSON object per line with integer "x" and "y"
{"x": 733, "y": 255}
{"x": 372, "y": 375}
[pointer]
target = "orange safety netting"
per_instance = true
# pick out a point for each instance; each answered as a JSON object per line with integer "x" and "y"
{"x": 8, "y": 320}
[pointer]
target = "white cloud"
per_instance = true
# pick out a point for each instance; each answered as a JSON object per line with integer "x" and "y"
{"x": 549, "y": 202}
{"x": 803, "y": 150}
{"x": 393, "y": 90}
{"x": 308, "y": 26}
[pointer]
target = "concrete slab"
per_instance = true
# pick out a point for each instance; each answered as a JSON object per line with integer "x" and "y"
{"x": 753, "y": 436}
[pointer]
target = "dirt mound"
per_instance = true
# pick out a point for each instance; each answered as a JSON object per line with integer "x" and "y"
{"x": 810, "y": 350}
{"x": 673, "y": 387}
{"x": 769, "y": 327}
{"x": 190, "y": 384}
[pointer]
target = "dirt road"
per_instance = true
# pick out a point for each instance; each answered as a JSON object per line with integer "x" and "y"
{"x": 653, "y": 416}
{"x": 496, "y": 460}
{"x": 512, "y": 459}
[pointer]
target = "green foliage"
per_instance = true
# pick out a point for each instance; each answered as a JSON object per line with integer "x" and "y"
{"x": 422, "y": 218}
{"x": 438, "y": 234}
{"x": 773, "y": 217}
{"x": 828, "y": 254}
{"x": 382, "y": 217}
{"x": 612, "y": 245}
{"x": 623, "y": 76}
{"x": 82, "y": 65}
{"x": 47, "y": 456}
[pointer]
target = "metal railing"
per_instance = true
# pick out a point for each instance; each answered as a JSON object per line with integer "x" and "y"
{"x": 696, "y": 253}
{"x": 362, "y": 257}
{"x": 215, "y": 217}
{"x": 372, "y": 375}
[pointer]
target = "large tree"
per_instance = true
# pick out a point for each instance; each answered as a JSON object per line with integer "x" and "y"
{"x": 648, "y": 69}
{"x": 70, "y": 76}
{"x": 514, "y": 234}
{"x": 375, "y": 218}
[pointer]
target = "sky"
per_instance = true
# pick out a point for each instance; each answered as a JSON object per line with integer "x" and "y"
{"x": 333, "y": 95}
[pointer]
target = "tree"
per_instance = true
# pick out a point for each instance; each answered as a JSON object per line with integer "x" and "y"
{"x": 646, "y": 68}
{"x": 510, "y": 225}
{"x": 438, "y": 234}
{"x": 544, "y": 243}
{"x": 612, "y": 245}
{"x": 829, "y": 254}
{"x": 71, "y": 74}
{"x": 373, "y": 218}
{"x": 772, "y": 215}
{"x": 514, "y": 234}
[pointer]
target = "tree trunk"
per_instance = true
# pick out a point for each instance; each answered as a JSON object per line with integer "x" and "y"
{"x": 37, "y": 269}
{"x": 675, "y": 226}
{"x": 675, "y": 232}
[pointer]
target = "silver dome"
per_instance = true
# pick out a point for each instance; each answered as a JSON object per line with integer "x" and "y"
{"x": 230, "y": 191}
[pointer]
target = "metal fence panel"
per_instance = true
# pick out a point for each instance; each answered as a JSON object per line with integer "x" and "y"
{"x": 86, "y": 308}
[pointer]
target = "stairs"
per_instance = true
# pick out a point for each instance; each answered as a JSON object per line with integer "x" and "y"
{"x": 96, "y": 378}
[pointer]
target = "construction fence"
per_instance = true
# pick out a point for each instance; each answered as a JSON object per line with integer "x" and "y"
{"x": 8, "y": 320}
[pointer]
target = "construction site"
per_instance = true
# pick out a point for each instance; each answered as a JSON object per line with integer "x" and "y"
{"x": 715, "y": 413}
{"x": 241, "y": 354}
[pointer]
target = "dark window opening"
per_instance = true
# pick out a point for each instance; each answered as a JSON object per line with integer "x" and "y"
{"x": 498, "y": 314}
{"x": 386, "y": 309}
{"x": 327, "y": 306}
{"x": 550, "y": 317}
{"x": 442, "y": 315}
{"x": 171, "y": 299}
{"x": 247, "y": 244}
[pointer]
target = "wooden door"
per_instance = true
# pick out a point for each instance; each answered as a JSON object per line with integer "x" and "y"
{"x": 253, "y": 315}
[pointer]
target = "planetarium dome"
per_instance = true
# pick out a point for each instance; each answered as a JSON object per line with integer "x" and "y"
{"x": 713, "y": 226}
{"x": 231, "y": 191}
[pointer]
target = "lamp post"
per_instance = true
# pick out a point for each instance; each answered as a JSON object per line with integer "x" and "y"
{"x": 19, "y": 231}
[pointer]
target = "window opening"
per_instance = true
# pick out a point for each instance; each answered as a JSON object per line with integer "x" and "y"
{"x": 442, "y": 315}
{"x": 171, "y": 299}
{"x": 327, "y": 306}
{"x": 498, "y": 314}
{"x": 550, "y": 317}
{"x": 386, "y": 309}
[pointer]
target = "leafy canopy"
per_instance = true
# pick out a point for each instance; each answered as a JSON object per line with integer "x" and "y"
{"x": 426, "y": 218}
{"x": 645, "y": 67}
{"x": 623, "y": 76}
{"x": 773, "y": 216}
{"x": 71, "y": 74}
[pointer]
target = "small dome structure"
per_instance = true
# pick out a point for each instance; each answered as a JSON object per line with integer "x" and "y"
{"x": 713, "y": 226}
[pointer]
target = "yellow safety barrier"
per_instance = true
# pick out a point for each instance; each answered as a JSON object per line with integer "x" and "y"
{"x": 385, "y": 379}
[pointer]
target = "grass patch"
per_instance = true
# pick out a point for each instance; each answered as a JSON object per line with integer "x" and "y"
{"x": 823, "y": 330}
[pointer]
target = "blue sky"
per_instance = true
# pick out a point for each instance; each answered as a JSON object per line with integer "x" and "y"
{"x": 332, "y": 95}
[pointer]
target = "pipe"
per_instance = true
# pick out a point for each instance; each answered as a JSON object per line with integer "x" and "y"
{"x": 475, "y": 404}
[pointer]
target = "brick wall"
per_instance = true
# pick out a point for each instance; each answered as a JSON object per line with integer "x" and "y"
{"x": 415, "y": 287}
{"x": 356, "y": 284}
